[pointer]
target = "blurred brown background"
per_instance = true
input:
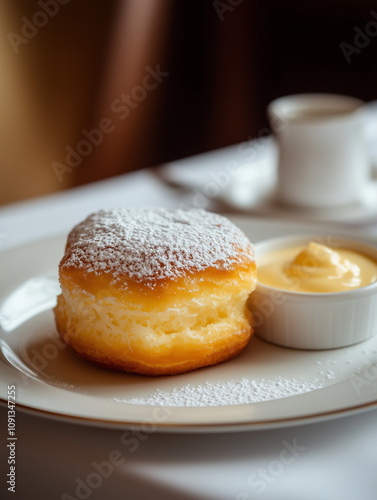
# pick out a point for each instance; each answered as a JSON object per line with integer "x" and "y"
{"x": 74, "y": 65}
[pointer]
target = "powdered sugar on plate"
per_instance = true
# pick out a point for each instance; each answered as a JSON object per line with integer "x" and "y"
{"x": 149, "y": 244}
{"x": 317, "y": 370}
{"x": 232, "y": 392}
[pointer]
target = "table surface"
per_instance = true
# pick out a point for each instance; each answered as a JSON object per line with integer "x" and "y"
{"x": 327, "y": 460}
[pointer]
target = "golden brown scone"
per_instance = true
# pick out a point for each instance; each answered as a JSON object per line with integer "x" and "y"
{"x": 154, "y": 291}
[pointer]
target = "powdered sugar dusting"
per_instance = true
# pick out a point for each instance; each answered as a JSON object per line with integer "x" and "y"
{"x": 232, "y": 392}
{"x": 150, "y": 244}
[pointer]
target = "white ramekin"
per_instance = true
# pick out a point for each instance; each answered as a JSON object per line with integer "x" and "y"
{"x": 314, "y": 320}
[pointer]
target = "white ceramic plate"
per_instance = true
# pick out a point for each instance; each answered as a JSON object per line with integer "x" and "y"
{"x": 266, "y": 386}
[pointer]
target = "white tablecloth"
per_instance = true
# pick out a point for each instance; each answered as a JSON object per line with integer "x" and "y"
{"x": 336, "y": 459}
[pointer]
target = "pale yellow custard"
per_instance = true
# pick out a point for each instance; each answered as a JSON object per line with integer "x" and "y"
{"x": 316, "y": 268}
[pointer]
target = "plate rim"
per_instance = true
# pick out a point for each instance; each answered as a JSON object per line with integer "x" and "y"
{"x": 192, "y": 428}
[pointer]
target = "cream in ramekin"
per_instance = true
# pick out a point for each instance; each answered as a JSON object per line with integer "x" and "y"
{"x": 320, "y": 320}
